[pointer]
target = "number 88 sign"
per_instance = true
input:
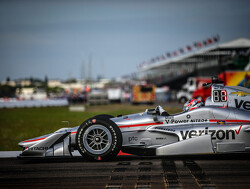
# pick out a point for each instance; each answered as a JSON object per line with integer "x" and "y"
{"x": 219, "y": 95}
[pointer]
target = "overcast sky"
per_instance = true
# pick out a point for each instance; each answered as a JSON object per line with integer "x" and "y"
{"x": 53, "y": 38}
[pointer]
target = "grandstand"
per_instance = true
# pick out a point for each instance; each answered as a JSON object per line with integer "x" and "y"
{"x": 202, "y": 59}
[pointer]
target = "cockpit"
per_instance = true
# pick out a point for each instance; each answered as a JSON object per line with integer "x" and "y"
{"x": 157, "y": 111}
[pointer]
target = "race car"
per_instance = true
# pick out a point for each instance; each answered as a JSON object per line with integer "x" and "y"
{"x": 221, "y": 125}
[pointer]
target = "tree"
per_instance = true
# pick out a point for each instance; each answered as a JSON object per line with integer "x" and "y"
{"x": 7, "y": 91}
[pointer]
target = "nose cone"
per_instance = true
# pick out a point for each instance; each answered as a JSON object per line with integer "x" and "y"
{"x": 29, "y": 142}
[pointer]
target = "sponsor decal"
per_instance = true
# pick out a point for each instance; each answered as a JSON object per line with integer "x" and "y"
{"x": 38, "y": 148}
{"x": 238, "y": 131}
{"x": 132, "y": 139}
{"x": 188, "y": 116}
{"x": 161, "y": 138}
{"x": 231, "y": 121}
{"x": 239, "y": 93}
{"x": 244, "y": 104}
{"x": 221, "y": 122}
{"x": 165, "y": 129}
{"x": 178, "y": 121}
{"x": 215, "y": 134}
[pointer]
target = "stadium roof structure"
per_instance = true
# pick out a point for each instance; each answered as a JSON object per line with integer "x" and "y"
{"x": 206, "y": 61}
{"x": 238, "y": 43}
{"x": 209, "y": 51}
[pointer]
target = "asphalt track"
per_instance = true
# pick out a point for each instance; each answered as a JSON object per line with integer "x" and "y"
{"x": 231, "y": 171}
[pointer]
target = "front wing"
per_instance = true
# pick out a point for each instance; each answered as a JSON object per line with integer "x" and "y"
{"x": 58, "y": 143}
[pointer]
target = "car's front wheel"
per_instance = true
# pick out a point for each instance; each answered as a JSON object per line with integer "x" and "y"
{"x": 99, "y": 138}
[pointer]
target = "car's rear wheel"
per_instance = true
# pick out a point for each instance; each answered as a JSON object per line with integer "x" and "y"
{"x": 99, "y": 138}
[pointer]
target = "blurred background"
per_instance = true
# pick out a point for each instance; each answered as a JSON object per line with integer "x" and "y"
{"x": 100, "y": 52}
{"x": 108, "y": 56}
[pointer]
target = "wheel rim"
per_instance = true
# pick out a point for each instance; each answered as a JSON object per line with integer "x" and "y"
{"x": 97, "y": 139}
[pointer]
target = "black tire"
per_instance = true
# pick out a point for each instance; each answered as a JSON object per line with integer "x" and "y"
{"x": 103, "y": 116}
{"x": 99, "y": 138}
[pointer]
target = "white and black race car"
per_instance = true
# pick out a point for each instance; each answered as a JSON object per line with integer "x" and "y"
{"x": 222, "y": 125}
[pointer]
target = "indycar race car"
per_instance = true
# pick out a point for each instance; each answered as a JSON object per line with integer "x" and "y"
{"x": 222, "y": 125}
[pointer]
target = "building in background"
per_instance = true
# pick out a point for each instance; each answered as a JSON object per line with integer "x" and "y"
{"x": 205, "y": 58}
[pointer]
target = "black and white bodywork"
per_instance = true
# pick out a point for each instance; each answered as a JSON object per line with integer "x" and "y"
{"x": 222, "y": 125}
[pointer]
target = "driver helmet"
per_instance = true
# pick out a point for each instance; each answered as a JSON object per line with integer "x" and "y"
{"x": 192, "y": 104}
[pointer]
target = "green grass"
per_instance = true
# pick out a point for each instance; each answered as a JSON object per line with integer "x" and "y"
{"x": 20, "y": 124}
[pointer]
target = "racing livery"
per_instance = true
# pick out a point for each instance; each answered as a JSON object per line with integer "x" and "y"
{"x": 221, "y": 125}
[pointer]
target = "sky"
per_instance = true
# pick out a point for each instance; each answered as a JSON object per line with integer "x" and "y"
{"x": 58, "y": 39}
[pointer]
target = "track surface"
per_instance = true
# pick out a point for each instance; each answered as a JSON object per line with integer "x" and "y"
{"x": 128, "y": 172}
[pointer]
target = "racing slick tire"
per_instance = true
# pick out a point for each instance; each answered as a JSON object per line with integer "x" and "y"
{"x": 99, "y": 138}
{"x": 103, "y": 116}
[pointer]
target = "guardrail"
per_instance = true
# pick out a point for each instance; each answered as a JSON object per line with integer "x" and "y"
{"x": 33, "y": 103}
